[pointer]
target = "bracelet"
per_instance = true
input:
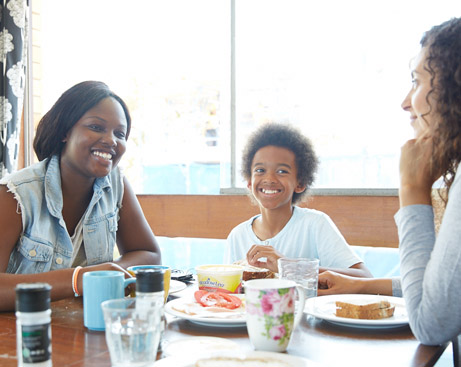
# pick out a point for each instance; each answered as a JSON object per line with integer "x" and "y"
{"x": 74, "y": 281}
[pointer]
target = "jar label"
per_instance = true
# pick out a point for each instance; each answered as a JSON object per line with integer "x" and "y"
{"x": 36, "y": 343}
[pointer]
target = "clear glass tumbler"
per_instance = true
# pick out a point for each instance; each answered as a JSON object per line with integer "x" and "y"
{"x": 132, "y": 333}
{"x": 303, "y": 271}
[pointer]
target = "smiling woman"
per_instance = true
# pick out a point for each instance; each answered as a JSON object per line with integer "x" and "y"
{"x": 63, "y": 216}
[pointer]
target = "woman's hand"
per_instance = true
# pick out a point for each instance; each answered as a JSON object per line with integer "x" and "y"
{"x": 334, "y": 283}
{"x": 99, "y": 267}
{"x": 416, "y": 172}
{"x": 258, "y": 251}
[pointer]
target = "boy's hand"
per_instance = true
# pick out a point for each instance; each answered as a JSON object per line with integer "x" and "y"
{"x": 256, "y": 252}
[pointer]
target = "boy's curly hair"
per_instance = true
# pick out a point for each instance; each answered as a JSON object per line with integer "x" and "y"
{"x": 284, "y": 136}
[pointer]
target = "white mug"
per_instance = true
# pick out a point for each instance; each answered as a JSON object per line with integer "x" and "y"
{"x": 270, "y": 312}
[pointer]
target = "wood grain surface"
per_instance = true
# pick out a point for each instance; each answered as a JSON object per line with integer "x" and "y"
{"x": 363, "y": 220}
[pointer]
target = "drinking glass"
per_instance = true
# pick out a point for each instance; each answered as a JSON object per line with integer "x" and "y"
{"x": 303, "y": 271}
{"x": 132, "y": 334}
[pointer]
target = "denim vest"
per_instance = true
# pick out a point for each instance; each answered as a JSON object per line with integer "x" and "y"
{"x": 44, "y": 243}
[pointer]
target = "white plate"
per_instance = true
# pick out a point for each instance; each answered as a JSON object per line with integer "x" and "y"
{"x": 198, "y": 345}
{"x": 189, "y": 361}
{"x": 206, "y": 320}
{"x": 324, "y": 307}
{"x": 176, "y": 286}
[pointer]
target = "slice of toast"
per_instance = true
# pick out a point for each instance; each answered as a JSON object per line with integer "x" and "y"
{"x": 253, "y": 272}
{"x": 368, "y": 311}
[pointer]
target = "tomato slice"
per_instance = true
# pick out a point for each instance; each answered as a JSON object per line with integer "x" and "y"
{"x": 217, "y": 299}
{"x": 199, "y": 294}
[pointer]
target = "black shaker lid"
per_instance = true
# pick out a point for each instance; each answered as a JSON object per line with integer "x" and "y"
{"x": 32, "y": 297}
{"x": 149, "y": 280}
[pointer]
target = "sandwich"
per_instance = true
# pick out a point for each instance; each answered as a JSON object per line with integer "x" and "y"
{"x": 368, "y": 311}
{"x": 253, "y": 272}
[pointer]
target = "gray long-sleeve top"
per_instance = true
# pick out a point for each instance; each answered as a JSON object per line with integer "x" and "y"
{"x": 431, "y": 269}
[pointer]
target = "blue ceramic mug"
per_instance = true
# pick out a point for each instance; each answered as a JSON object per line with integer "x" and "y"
{"x": 100, "y": 286}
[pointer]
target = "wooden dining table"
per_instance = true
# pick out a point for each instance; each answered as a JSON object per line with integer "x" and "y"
{"x": 314, "y": 339}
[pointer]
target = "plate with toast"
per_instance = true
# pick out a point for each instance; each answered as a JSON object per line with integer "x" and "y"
{"x": 359, "y": 310}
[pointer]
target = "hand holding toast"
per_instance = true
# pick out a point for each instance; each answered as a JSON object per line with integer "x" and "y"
{"x": 256, "y": 252}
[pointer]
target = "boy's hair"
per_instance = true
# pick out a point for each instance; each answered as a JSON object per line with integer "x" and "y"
{"x": 284, "y": 136}
{"x": 68, "y": 109}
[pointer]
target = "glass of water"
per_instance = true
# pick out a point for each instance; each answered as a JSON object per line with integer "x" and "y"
{"x": 303, "y": 271}
{"x": 132, "y": 334}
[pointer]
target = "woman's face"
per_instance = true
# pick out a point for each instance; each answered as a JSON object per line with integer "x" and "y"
{"x": 421, "y": 108}
{"x": 97, "y": 142}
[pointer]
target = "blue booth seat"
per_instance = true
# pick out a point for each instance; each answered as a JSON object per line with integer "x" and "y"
{"x": 186, "y": 253}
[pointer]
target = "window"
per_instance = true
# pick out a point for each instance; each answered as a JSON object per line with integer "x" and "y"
{"x": 337, "y": 69}
{"x": 169, "y": 60}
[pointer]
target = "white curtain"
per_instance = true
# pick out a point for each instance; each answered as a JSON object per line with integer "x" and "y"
{"x": 13, "y": 58}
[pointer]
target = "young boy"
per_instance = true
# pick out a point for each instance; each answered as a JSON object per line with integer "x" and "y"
{"x": 279, "y": 164}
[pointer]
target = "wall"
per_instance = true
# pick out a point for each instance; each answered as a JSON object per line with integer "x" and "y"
{"x": 363, "y": 220}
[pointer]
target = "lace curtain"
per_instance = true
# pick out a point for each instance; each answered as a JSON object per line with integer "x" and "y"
{"x": 13, "y": 58}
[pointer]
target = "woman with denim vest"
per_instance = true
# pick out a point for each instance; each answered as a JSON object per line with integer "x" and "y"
{"x": 62, "y": 216}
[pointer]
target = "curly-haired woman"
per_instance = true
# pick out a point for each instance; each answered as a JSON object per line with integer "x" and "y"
{"x": 430, "y": 264}
{"x": 279, "y": 164}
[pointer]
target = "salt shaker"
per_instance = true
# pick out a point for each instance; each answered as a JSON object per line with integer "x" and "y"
{"x": 33, "y": 325}
{"x": 150, "y": 293}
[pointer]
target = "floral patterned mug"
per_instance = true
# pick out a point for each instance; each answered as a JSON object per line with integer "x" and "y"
{"x": 270, "y": 312}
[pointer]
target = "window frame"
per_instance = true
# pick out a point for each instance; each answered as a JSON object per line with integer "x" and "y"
{"x": 233, "y": 189}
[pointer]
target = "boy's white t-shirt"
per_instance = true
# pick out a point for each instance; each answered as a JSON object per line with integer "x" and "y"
{"x": 309, "y": 233}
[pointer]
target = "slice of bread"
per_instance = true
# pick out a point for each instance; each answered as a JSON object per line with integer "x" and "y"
{"x": 253, "y": 272}
{"x": 367, "y": 311}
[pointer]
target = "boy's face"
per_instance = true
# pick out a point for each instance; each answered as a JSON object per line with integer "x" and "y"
{"x": 274, "y": 177}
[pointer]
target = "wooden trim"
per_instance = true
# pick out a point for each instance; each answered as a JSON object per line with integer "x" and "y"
{"x": 363, "y": 220}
